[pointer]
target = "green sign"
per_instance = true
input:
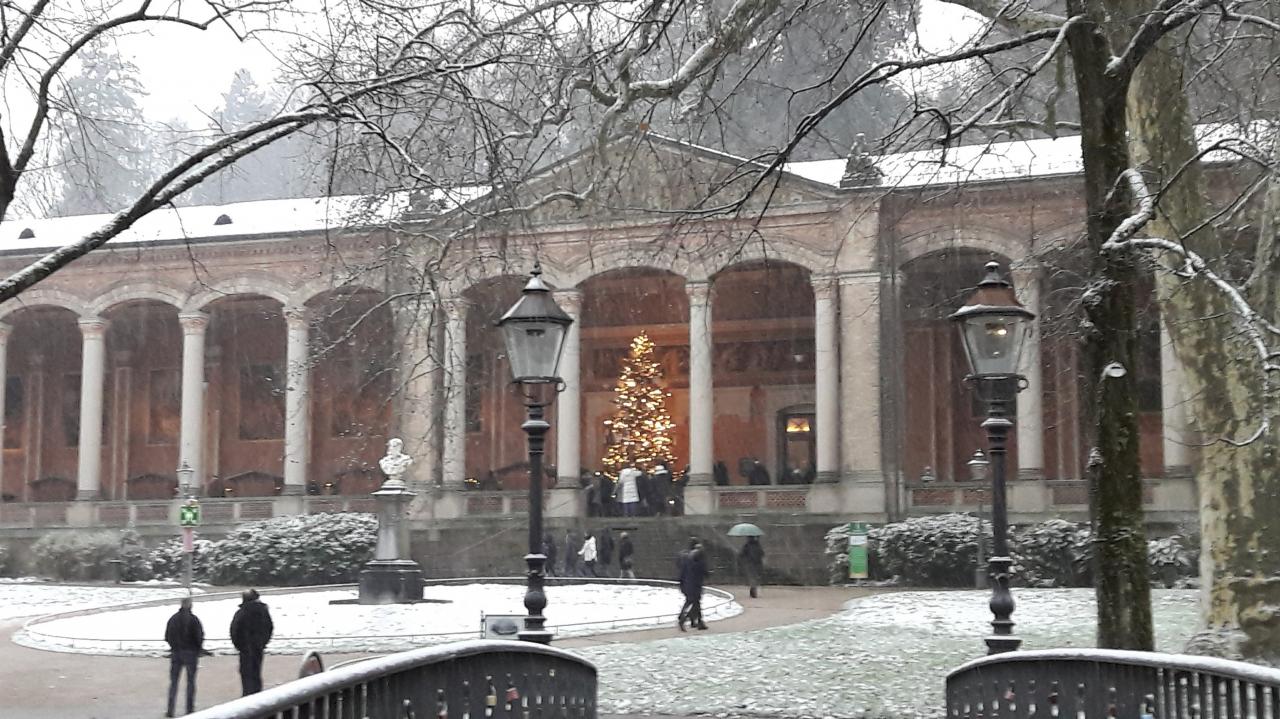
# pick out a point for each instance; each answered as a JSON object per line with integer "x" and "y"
{"x": 858, "y": 550}
{"x": 189, "y": 515}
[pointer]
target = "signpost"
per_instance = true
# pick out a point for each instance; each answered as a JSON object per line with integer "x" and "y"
{"x": 857, "y": 553}
{"x": 188, "y": 519}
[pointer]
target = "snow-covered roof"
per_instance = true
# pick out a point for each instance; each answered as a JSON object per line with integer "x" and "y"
{"x": 1017, "y": 159}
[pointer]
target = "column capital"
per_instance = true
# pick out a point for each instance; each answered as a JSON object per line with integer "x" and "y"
{"x": 569, "y": 299}
{"x": 297, "y": 317}
{"x": 93, "y": 327}
{"x": 824, "y": 287}
{"x": 861, "y": 277}
{"x": 193, "y": 323}
{"x": 699, "y": 291}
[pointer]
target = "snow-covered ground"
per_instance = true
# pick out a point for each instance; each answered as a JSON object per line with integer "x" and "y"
{"x": 307, "y": 620}
{"x": 21, "y": 598}
{"x": 884, "y": 656}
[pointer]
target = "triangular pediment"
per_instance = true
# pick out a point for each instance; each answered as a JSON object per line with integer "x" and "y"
{"x": 645, "y": 178}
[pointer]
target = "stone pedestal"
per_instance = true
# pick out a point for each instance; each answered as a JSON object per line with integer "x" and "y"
{"x": 391, "y": 578}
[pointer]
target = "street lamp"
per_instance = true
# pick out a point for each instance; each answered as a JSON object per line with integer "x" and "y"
{"x": 978, "y": 465}
{"x": 534, "y": 330}
{"x": 993, "y": 326}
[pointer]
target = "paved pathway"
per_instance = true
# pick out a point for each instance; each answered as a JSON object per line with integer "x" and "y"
{"x": 49, "y": 685}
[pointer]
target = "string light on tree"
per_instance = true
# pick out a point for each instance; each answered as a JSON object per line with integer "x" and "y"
{"x": 640, "y": 432}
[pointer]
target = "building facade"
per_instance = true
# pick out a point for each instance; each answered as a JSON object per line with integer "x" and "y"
{"x": 269, "y": 349}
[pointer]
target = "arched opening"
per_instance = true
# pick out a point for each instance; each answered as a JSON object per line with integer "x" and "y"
{"x": 763, "y": 362}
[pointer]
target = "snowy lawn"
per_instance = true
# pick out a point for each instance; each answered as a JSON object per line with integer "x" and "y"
{"x": 884, "y": 656}
{"x": 307, "y": 620}
{"x": 25, "y": 598}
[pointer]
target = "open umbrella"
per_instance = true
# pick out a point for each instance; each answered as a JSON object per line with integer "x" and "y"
{"x": 745, "y": 530}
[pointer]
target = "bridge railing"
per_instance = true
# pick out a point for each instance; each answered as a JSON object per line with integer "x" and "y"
{"x": 1111, "y": 684}
{"x": 477, "y": 678}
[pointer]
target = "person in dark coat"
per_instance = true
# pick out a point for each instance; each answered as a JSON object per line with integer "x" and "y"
{"x": 720, "y": 472}
{"x": 185, "y": 637}
{"x": 251, "y": 629}
{"x": 570, "y": 553}
{"x": 658, "y": 489}
{"x": 758, "y": 476}
{"x": 626, "y": 556}
{"x": 604, "y": 550}
{"x": 751, "y": 561}
{"x": 693, "y": 574}
{"x": 549, "y": 551}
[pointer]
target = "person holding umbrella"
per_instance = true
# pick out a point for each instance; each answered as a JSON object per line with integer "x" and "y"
{"x": 751, "y": 556}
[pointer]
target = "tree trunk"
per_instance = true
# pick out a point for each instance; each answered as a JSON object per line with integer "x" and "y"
{"x": 1239, "y": 486}
{"x": 1120, "y": 550}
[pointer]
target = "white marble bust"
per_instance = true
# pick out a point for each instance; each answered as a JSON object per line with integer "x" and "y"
{"x": 396, "y": 462}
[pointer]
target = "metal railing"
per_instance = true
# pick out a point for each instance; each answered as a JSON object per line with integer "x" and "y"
{"x": 1102, "y": 684}
{"x": 478, "y": 678}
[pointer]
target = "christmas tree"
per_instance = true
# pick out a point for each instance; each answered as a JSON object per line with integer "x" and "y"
{"x": 639, "y": 433}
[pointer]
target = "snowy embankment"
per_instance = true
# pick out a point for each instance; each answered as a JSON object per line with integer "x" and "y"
{"x": 885, "y": 655}
{"x": 22, "y": 598}
{"x": 307, "y": 620}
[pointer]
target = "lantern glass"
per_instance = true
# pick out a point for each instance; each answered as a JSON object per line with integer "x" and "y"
{"x": 978, "y": 465}
{"x": 533, "y": 348}
{"x": 993, "y": 341}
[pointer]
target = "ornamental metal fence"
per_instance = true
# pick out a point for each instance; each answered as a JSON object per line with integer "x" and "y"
{"x": 477, "y": 678}
{"x": 1111, "y": 684}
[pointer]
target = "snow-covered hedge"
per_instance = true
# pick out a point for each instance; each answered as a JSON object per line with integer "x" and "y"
{"x": 941, "y": 551}
{"x": 295, "y": 550}
{"x": 76, "y": 556}
{"x": 6, "y": 561}
{"x": 168, "y": 558}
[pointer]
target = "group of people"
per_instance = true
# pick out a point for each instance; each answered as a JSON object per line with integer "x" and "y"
{"x": 636, "y": 493}
{"x": 251, "y": 629}
{"x": 591, "y": 555}
{"x": 692, "y": 570}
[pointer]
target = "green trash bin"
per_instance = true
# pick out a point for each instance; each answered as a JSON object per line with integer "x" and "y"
{"x": 858, "y": 564}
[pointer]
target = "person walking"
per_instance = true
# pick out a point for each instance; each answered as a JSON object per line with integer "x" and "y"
{"x": 185, "y": 636}
{"x": 570, "y": 553}
{"x": 658, "y": 487}
{"x": 588, "y": 554}
{"x": 604, "y": 551}
{"x": 751, "y": 563}
{"x": 549, "y": 551}
{"x": 629, "y": 491}
{"x": 693, "y": 574}
{"x": 625, "y": 551}
{"x": 251, "y": 629}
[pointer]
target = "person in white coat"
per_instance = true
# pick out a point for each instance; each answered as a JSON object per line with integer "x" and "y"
{"x": 588, "y": 554}
{"x": 629, "y": 491}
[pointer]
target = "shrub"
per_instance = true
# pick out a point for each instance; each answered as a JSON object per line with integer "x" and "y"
{"x": 6, "y": 561}
{"x": 939, "y": 550}
{"x": 1053, "y": 553}
{"x": 75, "y": 556}
{"x": 167, "y": 560}
{"x": 295, "y": 550}
{"x": 1173, "y": 559}
{"x": 135, "y": 558}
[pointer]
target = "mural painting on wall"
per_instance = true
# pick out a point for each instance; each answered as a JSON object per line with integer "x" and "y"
{"x": 14, "y": 403}
{"x": 165, "y": 421}
{"x": 261, "y": 402}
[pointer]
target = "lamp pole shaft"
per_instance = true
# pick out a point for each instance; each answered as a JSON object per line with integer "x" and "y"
{"x": 535, "y": 598}
{"x": 999, "y": 565}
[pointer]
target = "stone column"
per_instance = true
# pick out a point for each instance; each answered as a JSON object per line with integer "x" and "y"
{"x": 191, "y": 432}
{"x": 569, "y": 404}
{"x": 297, "y": 401}
{"x": 454, "y": 459}
{"x": 701, "y": 385}
{"x": 92, "y": 373}
{"x": 1026, "y": 282}
{"x": 826, "y": 378}
{"x": 420, "y": 411}
{"x": 1177, "y": 454}
{"x": 860, "y": 432}
{"x": 5, "y": 330}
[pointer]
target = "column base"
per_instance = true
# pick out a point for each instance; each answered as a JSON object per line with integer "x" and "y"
{"x": 1030, "y": 473}
{"x": 699, "y": 499}
{"x": 827, "y": 476}
{"x": 701, "y": 479}
{"x": 396, "y": 581}
{"x": 293, "y": 490}
{"x": 87, "y": 495}
{"x": 1178, "y": 471}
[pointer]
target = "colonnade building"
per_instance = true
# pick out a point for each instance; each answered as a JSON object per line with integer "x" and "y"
{"x": 273, "y": 347}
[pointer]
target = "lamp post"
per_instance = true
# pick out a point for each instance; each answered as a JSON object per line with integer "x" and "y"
{"x": 978, "y": 473}
{"x": 534, "y": 330}
{"x": 993, "y": 326}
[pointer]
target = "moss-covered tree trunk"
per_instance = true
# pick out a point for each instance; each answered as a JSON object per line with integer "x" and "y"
{"x": 1239, "y": 486}
{"x": 1122, "y": 587}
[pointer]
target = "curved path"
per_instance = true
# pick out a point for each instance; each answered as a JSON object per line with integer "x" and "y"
{"x": 50, "y": 685}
